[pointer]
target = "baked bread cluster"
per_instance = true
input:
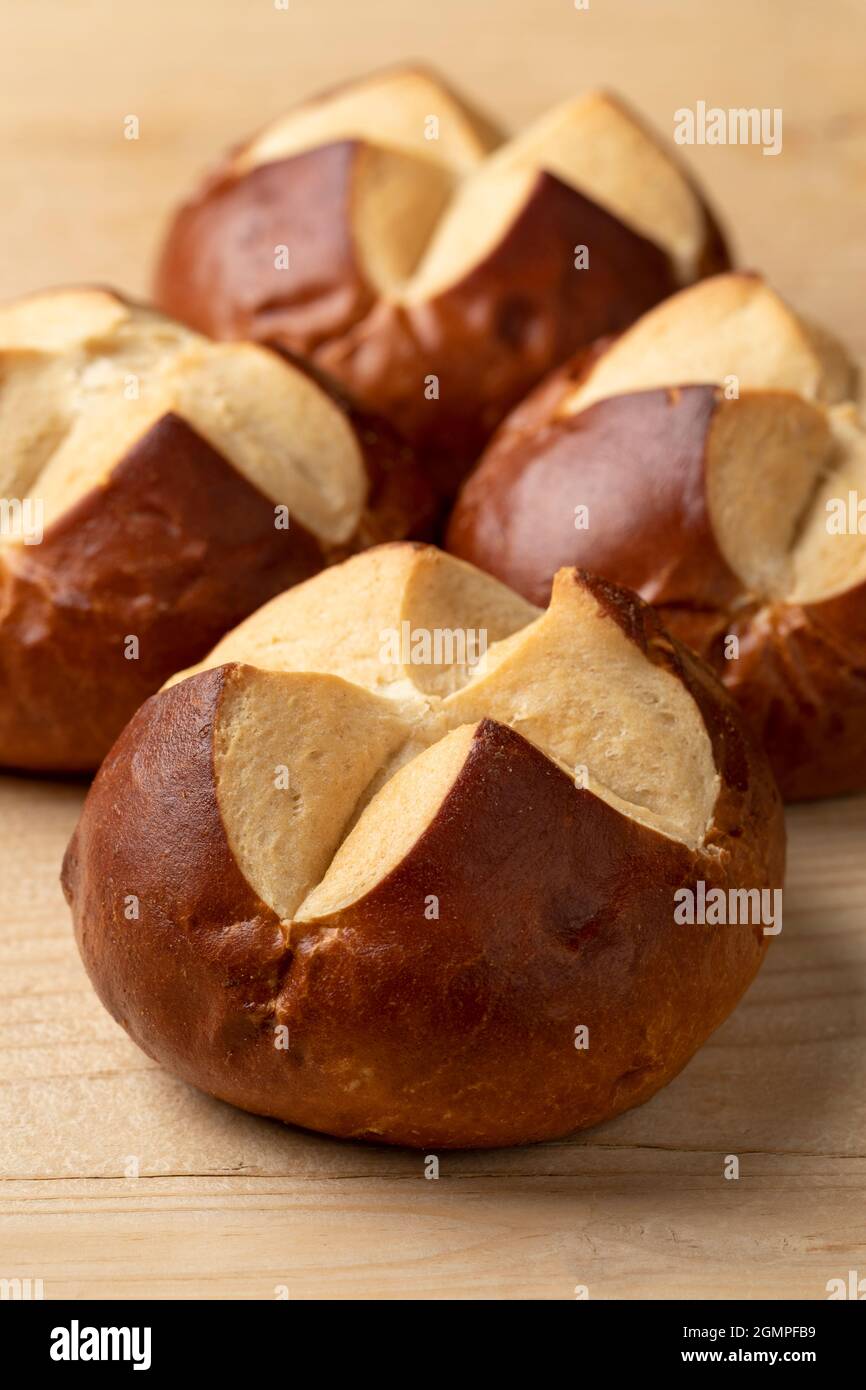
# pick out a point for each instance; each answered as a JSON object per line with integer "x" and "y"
{"x": 399, "y": 860}
{"x": 157, "y": 488}
{"x": 396, "y": 844}
{"x": 388, "y": 232}
{"x": 710, "y": 458}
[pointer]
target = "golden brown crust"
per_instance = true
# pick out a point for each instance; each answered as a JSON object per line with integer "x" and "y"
{"x": 516, "y": 513}
{"x": 173, "y": 550}
{"x": 554, "y": 911}
{"x": 800, "y": 678}
{"x": 492, "y": 336}
{"x": 172, "y": 547}
{"x": 488, "y": 338}
{"x": 639, "y": 462}
{"x": 210, "y": 282}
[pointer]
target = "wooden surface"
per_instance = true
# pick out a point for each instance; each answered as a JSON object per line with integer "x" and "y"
{"x": 229, "y": 1206}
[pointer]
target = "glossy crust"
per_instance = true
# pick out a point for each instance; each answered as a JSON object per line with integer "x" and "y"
{"x": 638, "y": 461}
{"x": 488, "y": 338}
{"x": 173, "y": 549}
{"x": 555, "y": 911}
{"x": 801, "y": 680}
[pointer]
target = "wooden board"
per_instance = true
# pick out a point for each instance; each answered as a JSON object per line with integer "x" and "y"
{"x": 228, "y": 1206}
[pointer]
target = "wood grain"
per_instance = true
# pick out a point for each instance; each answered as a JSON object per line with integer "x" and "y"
{"x": 225, "y": 1205}
{"x": 228, "y": 1206}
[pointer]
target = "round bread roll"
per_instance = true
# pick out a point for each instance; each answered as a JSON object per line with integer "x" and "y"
{"x": 711, "y": 459}
{"x": 401, "y": 860}
{"x": 157, "y": 488}
{"x": 387, "y": 232}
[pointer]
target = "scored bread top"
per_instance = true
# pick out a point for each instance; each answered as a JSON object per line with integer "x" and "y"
{"x": 729, "y": 325}
{"x": 773, "y": 463}
{"x": 84, "y": 375}
{"x": 391, "y": 109}
{"x": 368, "y": 739}
{"x": 783, "y": 442}
{"x": 431, "y": 200}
